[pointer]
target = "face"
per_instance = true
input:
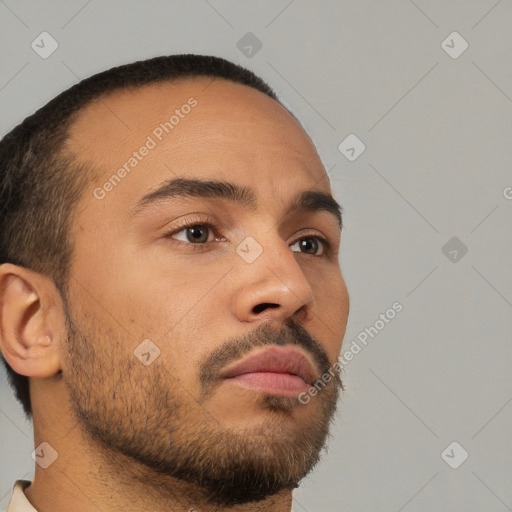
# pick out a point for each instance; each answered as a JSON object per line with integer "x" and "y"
{"x": 199, "y": 312}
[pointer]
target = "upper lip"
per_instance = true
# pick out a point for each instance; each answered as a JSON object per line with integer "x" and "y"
{"x": 275, "y": 360}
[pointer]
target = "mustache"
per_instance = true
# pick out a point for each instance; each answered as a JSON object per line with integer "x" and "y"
{"x": 289, "y": 333}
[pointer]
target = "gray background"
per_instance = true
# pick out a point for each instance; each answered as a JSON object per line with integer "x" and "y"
{"x": 437, "y": 131}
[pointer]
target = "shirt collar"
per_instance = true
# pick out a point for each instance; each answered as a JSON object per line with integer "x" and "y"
{"x": 19, "y": 502}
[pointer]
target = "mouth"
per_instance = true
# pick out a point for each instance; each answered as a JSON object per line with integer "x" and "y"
{"x": 279, "y": 371}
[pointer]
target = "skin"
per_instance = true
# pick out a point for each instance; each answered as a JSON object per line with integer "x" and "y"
{"x": 130, "y": 281}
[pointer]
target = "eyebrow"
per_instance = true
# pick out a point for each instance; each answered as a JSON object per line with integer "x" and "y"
{"x": 308, "y": 200}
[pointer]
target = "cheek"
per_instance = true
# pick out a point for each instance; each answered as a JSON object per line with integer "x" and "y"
{"x": 179, "y": 303}
{"x": 159, "y": 301}
{"x": 181, "y": 310}
{"x": 332, "y": 309}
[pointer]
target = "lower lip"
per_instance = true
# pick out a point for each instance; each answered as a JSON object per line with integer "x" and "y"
{"x": 281, "y": 384}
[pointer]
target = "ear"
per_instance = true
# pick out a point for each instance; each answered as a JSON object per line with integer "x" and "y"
{"x": 32, "y": 321}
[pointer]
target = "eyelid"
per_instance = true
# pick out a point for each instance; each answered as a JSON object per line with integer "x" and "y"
{"x": 199, "y": 220}
{"x": 314, "y": 233}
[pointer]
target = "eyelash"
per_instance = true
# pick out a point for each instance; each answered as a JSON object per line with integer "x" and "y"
{"x": 208, "y": 224}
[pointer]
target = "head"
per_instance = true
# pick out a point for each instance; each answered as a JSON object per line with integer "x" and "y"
{"x": 160, "y": 222}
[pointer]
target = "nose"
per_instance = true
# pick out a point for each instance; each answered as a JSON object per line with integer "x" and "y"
{"x": 273, "y": 287}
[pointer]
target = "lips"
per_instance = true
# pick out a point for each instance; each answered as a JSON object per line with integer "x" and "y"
{"x": 275, "y": 370}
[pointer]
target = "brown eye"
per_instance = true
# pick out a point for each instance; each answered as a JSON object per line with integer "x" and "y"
{"x": 310, "y": 245}
{"x": 197, "y": 234}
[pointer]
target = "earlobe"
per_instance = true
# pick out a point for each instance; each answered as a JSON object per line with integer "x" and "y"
{"x": 31, "y": 321}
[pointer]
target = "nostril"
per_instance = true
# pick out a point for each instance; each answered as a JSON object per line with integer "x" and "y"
{"x": 264, "y": 305}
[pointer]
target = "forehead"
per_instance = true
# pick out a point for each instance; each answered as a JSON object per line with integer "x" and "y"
{"x": 202, "y": 128}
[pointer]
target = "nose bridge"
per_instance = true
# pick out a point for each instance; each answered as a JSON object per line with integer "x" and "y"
{"x": 273, "y": 283}
{"x": 281, "y": 262}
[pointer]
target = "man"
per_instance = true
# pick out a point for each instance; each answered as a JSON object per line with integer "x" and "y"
{"x": 171, "y": 302}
